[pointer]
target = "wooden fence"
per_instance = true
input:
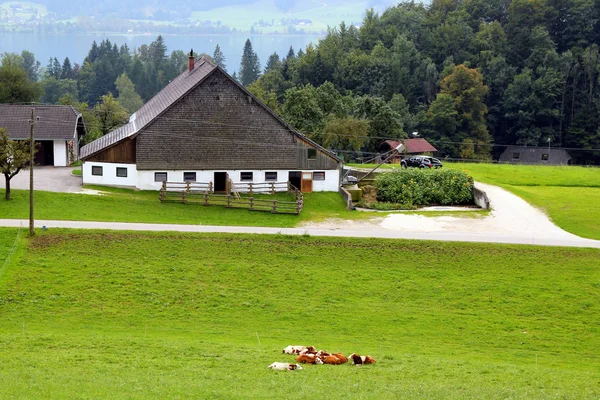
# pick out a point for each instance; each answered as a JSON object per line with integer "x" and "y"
{"x": 261, "y": 187}
{"x": 202, "y": 193}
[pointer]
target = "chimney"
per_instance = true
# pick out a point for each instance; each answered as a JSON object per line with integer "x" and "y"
{"x": 191, "y": 61}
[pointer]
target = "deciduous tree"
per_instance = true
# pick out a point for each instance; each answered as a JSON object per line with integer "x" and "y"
{"x": 14, "y": 155}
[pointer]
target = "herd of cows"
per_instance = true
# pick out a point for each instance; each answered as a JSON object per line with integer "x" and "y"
{"x": 310, "y": 355}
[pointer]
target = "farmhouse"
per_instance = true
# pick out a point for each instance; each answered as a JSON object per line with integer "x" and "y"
{"x": 205, "y": 127}
{"x": 535, "y": 155}
{"x": 57, "y": 131}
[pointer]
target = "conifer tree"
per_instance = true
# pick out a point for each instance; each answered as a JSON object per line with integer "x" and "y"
{"x": 219, "y": 58}
{"x": 273, "y": 62}
{"x": 250, "y": 66}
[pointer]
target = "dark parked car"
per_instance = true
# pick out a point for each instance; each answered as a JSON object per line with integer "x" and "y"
{"x": 421, "y": 162}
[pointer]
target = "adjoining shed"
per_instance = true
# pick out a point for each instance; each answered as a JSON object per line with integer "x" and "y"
{"x": 205, "y": 127}
{"x": 408, "y": 146}
{"x": 57, "y": 132}
{"x": 535, "y": 155}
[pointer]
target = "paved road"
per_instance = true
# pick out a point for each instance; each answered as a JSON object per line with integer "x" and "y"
{"x": 51, "y": 179}
{"x": 375, "y": 232}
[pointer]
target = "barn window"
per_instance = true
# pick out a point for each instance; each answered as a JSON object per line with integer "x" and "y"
{"x": 96, "y": 170}
{"x": 160, "y": 177}
{"x": 319, "y": 176}
{"x": 545, "y": 157}
{"x": 312, "y": 154}
{"x": 121, "y": 172}
{"x": 516, "y": 156}
{"x": 270, "y": 176}
{"x": 246, "y": 176}
{"x": 189, "y": 176}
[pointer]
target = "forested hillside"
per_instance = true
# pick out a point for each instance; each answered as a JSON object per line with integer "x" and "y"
{"x": 464, "y": 74}
{"x": 471, "y": 76}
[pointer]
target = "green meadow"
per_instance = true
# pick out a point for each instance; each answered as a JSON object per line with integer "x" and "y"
{"x": 130, "y": 315}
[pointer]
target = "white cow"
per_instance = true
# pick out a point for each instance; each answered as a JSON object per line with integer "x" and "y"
{"x": 281, "y": 366}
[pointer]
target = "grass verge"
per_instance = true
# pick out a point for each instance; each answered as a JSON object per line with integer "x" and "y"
{"x": 95, "y": 315}
{"x": 125, "y": 205}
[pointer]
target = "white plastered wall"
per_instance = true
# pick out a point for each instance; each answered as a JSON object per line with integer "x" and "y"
{"x": 109, "y": 174}
{"x": 60, "y": 153}
{"x": 145, "y": 179}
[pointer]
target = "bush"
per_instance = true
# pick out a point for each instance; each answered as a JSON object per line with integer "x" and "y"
{"x": 420, "y": 187}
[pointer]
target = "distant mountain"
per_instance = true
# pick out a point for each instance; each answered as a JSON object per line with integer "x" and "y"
{"x": 143, "y": 9}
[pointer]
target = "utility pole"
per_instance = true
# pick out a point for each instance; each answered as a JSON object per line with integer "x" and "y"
{"x": 31, "y": 151}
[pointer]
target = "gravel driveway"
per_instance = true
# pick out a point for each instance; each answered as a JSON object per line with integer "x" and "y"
{"x": 511, "y": 217}
{"x": 51, "y": 179}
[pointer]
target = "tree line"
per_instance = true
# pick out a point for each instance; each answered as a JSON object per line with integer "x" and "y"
{"x": 467, "y": 75}
{"x": 462, "y": 73}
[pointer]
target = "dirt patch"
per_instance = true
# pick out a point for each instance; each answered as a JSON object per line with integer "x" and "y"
{"x": 44, "y": 241}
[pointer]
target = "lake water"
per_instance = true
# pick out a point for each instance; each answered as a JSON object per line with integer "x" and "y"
{"x": 76, "y": 47}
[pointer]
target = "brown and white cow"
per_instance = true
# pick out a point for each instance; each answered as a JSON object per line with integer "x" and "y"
{"x": 360, "y": 360}
{"x": 280, "y": 366}
{"x": 298, "y": 349}
{"x": 309, "y": 359}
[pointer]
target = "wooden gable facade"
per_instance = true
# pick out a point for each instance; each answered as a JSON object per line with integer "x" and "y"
{"x": 122, "y": 152}
{"x": 219, "y": 125}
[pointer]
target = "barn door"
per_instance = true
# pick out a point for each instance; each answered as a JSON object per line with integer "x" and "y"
{"x": 220, "y": 180}
{"x": 307, "y": 182}
{"x": 295, "y": 178}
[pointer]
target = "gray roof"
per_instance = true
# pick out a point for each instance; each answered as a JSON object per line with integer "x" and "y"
{"x": 52, "y": 122}
{"x": 535, "y": 155}
{"x": 153, "y": 108}
{"x": 168, "y": 96}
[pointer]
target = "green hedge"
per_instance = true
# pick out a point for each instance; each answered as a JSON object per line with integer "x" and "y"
{"x": 421, "y": 187}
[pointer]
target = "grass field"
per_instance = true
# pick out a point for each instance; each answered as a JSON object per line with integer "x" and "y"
{"x": 125, "y": 205}
{"x": 569, "y": 195}
{"x": 117, "y": 315}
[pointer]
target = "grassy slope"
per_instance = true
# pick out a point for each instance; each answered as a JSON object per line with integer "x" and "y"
{"x": 126, "y": 205}
{"x": 569, "y": 195}
{"x": 155, "y": 315}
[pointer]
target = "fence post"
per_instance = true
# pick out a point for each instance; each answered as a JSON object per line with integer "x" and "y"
{"x": 251, "y": 203}
{"x": 274, "y": 211}
{"x": 272, "y": 188}
{"x": 187, "y": 186}
{"x": 251, "y": 189}
{"x": 183, "y": 200}
{"x": 210, "y": 187}
{"x": 205, "y": 198}
{"x": 228, "y": 200}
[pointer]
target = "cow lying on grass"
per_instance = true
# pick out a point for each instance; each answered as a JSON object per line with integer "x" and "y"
{"x": 310, "y": 355}
{"x": 280, "y": 366}
{"x": 309, "y": 359}
{"x": 360, "y": 360}
{"x": 299, "y": 349}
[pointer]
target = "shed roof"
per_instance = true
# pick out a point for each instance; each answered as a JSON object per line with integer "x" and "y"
{"x": 52, "y": 122}
{"x": 412, "y": 146}
{"x": 535, "y": 155}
